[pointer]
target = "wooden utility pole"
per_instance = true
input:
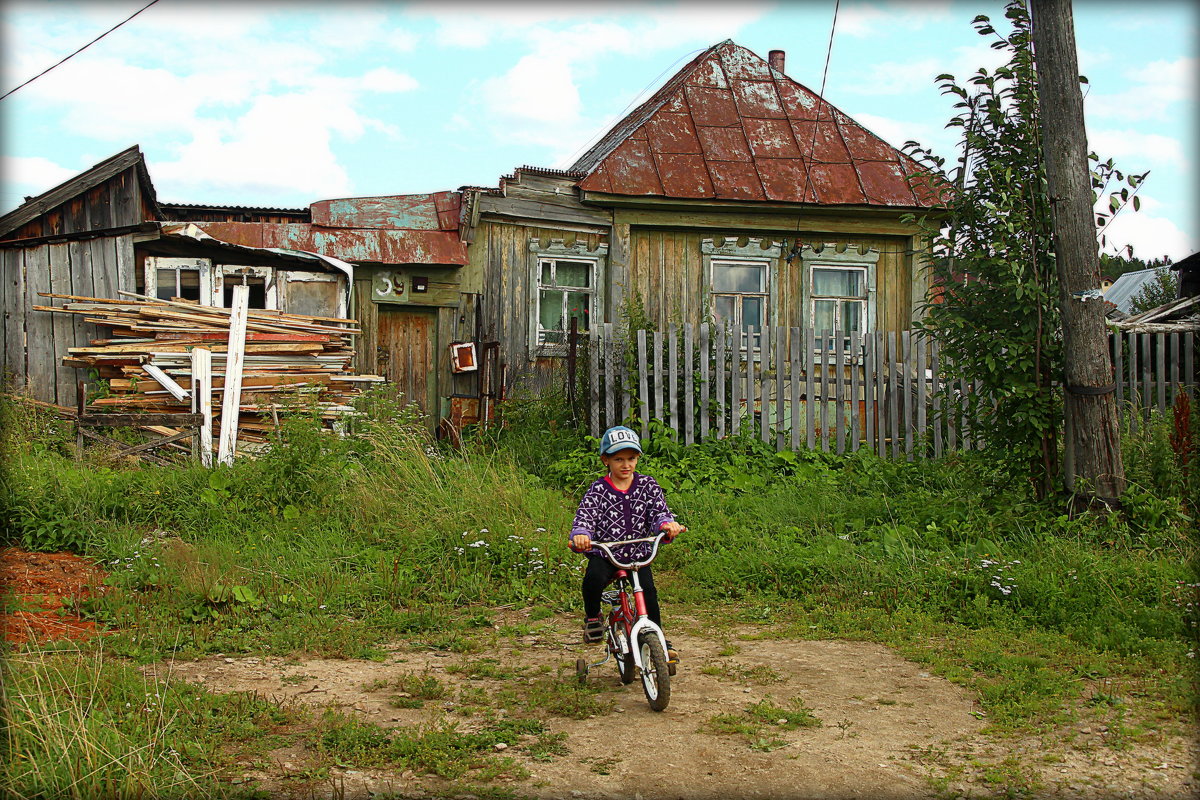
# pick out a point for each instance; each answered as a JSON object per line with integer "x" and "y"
{"x": 1093, "y": 463}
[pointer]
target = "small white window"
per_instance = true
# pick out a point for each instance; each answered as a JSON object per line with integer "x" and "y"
{"x": 182, "y": 278}
{"x": 566, "y": 290}
{"x": 838, "y": 299}
{"x": 740, "y": 292}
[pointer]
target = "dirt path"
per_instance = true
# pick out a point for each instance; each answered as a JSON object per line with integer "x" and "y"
{"x": 888, "y": 728}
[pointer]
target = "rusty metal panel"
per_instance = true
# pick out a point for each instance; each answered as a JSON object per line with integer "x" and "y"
{"x": 672, "y": 133}
{"x": 684, "y": 175}
{"x": 785, "y": 179}
{"x": 408, "y": 212}
{"x": 724, "y": 144}
{"x": 801, "y": 103}
{"x": 736, "y": 180}
{"x": 675, "y": 104}
{"x": 821, "y": 141}
{"x": 633, "y": 169}
{"x": 885, "y": 182}
{"x": 771, "y": 138}
{"x": 712, "y": 106}
{"x": 708, "y": 73}
{"x": 758, "y": 99}
{"x": 248, "y": 234}
{"x": 598, "y": 181}
{"x": 836, "y": 184}
{"x": 864, "y": 145}
{"x": 744, "y": 64}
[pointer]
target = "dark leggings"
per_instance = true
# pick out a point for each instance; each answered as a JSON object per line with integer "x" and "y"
{"x": 600, "y": 573}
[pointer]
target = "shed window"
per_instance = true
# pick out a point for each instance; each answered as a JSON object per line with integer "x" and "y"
{"x": 177, "y": 281}
{"x": 838, "y": 300}
{"x": 566, "y": 291}
{"x": 258, "y": 290}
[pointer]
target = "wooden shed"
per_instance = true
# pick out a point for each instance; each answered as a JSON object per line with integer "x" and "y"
{"x": 104, "y": 232}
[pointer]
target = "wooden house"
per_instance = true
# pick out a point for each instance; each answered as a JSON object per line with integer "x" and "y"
{"x": 734, "y": 194}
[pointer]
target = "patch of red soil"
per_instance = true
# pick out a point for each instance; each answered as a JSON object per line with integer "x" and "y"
{"x": 36, "y": 588}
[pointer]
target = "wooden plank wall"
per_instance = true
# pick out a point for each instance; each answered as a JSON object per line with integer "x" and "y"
{"x": 508, "y": 297}
{"x": 666, "y": 269}
{"x": 36, "y": 341}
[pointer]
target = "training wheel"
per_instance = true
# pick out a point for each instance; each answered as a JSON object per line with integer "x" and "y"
{"x": 581, "y": 670}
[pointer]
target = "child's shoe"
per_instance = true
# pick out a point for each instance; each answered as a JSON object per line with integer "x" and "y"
{"x": 593, "y": 630}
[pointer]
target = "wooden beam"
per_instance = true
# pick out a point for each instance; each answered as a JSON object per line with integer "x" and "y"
{"x": 230, "y": 407}
{"x": 165, "y": 380}
{"x": 202, "y": 401}
{"x": 138, "y": 420}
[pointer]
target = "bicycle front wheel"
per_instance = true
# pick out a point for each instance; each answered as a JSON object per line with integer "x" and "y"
{"x": 656, "y": 676}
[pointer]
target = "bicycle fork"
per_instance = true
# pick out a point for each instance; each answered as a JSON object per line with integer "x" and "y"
{"x": 643, "y": 623}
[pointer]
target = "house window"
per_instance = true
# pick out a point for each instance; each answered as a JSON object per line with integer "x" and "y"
{"x": 839, "y": 290}
{"x": 838, "y": 298}
{"x": 566, "y": 290}
{"x": 739, "y": 294}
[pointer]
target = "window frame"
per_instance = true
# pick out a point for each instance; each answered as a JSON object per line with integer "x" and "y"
{"x": 738, "y": 322}
{"x": 757, "y": 251}
{"x": 557, "y": 251}
{"x": 840, "y": 257}
{"x": 153, "y": 264}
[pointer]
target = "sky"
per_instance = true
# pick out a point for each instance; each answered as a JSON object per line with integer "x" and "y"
{"x": 280, "y": 104}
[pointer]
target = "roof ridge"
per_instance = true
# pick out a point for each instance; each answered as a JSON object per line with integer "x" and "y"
{"x": 611, "y": 140}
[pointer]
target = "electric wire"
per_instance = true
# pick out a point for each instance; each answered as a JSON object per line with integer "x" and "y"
{"x": 820, "y": 102}
{"x": 80, "y": 50}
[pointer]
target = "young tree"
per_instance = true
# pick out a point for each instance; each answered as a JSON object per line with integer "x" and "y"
{"x": 1163, "y": 289}
{"x": 994, "y": 305}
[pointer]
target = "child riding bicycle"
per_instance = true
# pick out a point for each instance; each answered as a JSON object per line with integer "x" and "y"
{"x": 624, "y": 504}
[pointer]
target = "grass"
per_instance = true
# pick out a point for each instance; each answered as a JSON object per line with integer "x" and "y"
{"x": 759, "y": 723}
{"x": 336, "y": 547}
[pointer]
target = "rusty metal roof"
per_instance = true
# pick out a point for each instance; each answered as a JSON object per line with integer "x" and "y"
{"x": 356, "y": 245}
{"x": 728, "y": 126}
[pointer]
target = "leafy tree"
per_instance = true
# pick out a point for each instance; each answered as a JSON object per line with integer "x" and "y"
{"x": 1114, "y": 266}
{"x": 994, "y": 301}
{"x": 1163, "y": 289}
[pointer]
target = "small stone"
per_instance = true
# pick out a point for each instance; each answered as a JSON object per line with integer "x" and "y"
{"x": 500, "y": 746}
{"x": 229, "y": 661}
{"x": 576, "y": 793}
{"x": 781, "y": 721}
{"x": 745, "y": 691}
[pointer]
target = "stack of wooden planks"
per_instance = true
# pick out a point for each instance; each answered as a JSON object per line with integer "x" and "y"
{"x": 290, "y": 361}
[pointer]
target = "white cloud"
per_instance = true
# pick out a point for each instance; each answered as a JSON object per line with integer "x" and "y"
{"x": 29, "y": 177}
{"x": 1159, "y": 89}
{"x": 1136, "y": 151}
{"x": 1151, "y": 236}
{"x": 866, "y": 19}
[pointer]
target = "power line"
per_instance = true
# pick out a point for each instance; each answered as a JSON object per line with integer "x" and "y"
{"x": 80, "y": 50}
{"x": 812, "y": 149}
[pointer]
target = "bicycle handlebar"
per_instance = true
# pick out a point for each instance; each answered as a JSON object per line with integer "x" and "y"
{"x": 606, "y": 547}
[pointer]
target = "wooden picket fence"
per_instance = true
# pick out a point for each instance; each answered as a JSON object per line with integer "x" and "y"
{"x": 829, "y": 390}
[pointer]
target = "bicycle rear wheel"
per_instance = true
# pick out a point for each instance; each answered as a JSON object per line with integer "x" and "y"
{"x": 656, "y": 675}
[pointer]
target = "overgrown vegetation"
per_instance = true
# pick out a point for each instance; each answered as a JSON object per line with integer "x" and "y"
{"x": 337, "y": 546}
{"x": 994, "y": 301}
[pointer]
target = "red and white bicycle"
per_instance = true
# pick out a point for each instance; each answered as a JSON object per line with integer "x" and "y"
{"x": 631, "y": 639}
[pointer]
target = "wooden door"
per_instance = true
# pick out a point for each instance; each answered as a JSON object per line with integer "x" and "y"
{"x": 405, "y": 353}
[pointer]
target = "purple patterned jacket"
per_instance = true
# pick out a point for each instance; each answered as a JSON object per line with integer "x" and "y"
{"x": 608, "y": 515}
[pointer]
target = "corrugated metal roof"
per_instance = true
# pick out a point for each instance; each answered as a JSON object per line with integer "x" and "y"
{"x": 728, "y": 126}
{"x": 1128, "y": 286}
{"x": 356, "y": 245}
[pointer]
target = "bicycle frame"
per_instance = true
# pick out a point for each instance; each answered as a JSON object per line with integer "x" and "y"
{"x": 627, "y": 575}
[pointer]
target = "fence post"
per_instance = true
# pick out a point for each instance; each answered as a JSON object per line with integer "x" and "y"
{"x": 839, "y": 395}
{"x": 643, "y": 389}
{"x": 593, "y": 379}
{"x": 855, "y": 386}
{"x": 780, "y": 362}
{"x": 868, "y": 389}
{"x": 921, "y": 397}
{"x": 719, "y": 369}
{"x": 705, "y": 418}
{"x": 764, "y": 392}
{"x": 609, "y": 399}
{"x": 810, "y": 400}
{"x": 689, "y": 404}
{"x": 735, "y": 380}
{"x": 935, "y": 387}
